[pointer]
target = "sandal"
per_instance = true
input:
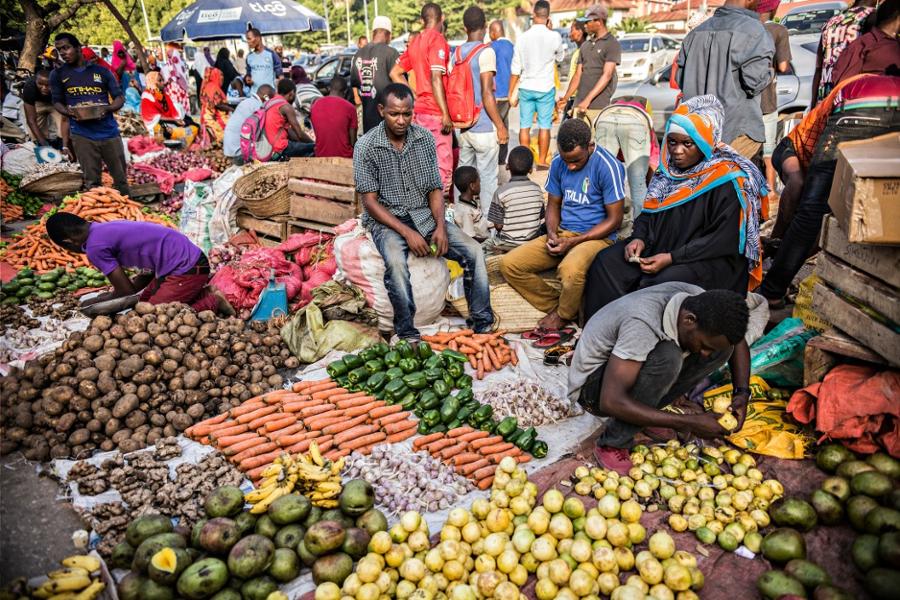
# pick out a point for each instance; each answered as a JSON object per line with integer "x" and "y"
{"x": 560, "y": 354}
{"x": 552, "y": 338}
{"x": 535, "y": 334}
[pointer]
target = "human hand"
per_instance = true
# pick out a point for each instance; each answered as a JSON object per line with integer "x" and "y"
{"x": 561, "y": 103}
{"x": 739, "y": 409}
{"x": 417, "y": 244}
{"x": 446, "y": 124}
{"x": 656, "y": 263}
{"x": 560, "y": 246}
{"x": 706, "y": 425}
{"x": 439, "y": 239}
{"x": 634, "y": 248}
{"x": 502, "y": 135}
{"x": 68, "y": 154}
{"x": 582, "y": 106}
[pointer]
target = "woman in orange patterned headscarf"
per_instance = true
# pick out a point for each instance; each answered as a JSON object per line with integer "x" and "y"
{"x": 700, "y": 221}
{"x": 214, "y": 107}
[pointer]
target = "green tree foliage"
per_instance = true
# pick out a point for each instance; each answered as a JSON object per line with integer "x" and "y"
{"x": 633, "y": 25}
{"x": 95, "y": 24}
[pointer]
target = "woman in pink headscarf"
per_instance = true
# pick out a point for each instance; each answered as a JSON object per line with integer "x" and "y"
{"x": 92, "y": 57}
{"x": 122, "y": 64}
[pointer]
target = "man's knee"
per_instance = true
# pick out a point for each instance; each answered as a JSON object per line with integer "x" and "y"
{"x": 571, "y": 273}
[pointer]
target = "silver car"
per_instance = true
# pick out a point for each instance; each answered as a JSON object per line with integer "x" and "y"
{"x": 794, "y": 87}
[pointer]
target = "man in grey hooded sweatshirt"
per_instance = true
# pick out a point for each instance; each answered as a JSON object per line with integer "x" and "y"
{"x": 730, "y": 56}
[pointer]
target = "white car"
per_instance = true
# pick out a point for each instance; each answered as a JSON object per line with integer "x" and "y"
{"x": 644, "y": 53}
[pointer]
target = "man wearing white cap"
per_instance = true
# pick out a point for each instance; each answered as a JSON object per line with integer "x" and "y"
{"x": 371, "y": 69}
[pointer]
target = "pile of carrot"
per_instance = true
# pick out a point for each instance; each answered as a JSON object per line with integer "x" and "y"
{"x": 486, "y": 351}
{"x": 34, "y": 249}
{"x": 472, "y": 453}
{"x": 255, "y": 433}
{"x": 10, "y": 212}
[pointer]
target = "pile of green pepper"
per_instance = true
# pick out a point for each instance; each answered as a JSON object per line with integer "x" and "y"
{"x": 422, "y": 381}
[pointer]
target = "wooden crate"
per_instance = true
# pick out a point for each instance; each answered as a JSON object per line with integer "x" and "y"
{"x": 857, "y": 323}
{"x": 273, "y": 230}
{"x": 329, "y": 191}
{"x": 870, "y": 291}
{"x": 332, "y": 170}
{"x": 832, "y": 348}
{"x": 322, "y": 210}
{"x": 882, "y": 262}
{"x": 299, "y": 226}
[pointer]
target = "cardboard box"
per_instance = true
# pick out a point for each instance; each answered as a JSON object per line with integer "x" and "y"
{"x": 882, "y": 262}
{"x": 865, "y": 194}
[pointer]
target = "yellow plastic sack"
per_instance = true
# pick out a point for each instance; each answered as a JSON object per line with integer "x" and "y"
{"x": 803, "y": 308}
{"x": 765, "y": 430}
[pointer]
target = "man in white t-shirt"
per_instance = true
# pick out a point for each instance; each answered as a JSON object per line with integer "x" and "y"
{"x": 535, "y": 56}
{"x": 231, "y": 142}
{"x": 479, "y": 145}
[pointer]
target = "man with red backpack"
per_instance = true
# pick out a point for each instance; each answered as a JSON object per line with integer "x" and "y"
{"x": 426, "y": 57}
{"x": 473, "y": 78}
{"x": 274, "y": 132}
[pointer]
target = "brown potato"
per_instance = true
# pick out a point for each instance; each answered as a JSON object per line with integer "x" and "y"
{"x": 125, "y": 405}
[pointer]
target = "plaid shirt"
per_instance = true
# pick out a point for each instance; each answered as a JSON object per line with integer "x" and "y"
{"x": 402, "y": 179}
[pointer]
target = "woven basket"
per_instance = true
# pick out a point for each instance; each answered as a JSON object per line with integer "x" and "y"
{"x": 512, "y": 312}
{"x": 276, "y": 203}
{"x": 55, "y": 185}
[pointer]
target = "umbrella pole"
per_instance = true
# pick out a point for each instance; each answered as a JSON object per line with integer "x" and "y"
{"x": 327, "y": 22}
{"x": 347, "y": 6}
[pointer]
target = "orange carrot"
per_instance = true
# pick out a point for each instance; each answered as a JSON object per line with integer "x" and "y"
{"x": 328, "y": 421}
{"x": 328, "y": 393}
{"x": 492, "y": 356}
{"x": 255, "y": 474}
{"x": 228, "y": 440}
{"x": 353, "y": 432}
{"x": 311, "y": 411}
{"x": 364, "y": 409}
{"x": 473, "y": 362}
{"x": 452, "y": 451}
{"x": 336, "y": 454}
{"x": 258, "y": 460}
{"x": 315, "y": 422}
{"x": 484, "y": 472}
{"x": 399, "y": 426}
{"x": 513, "y": 357}
{"x": 298, "y": 405}
{"x": 289, "y": 430}
{"x": 321, "y": 386}
{"x": 255, "y": 451}
{"x": 288, "y": 440}
{"x": 400, "y": 436}
{"x": 280, "y": 423}
{"x": 466, "y": 458}
{"x": 301, "y": 446}
{"x": 496, "y": 458}
{"x": 227, "y": 431}
{"x": 475, "y": 435}
{"x": 342, "y": 424}
{"x": 385, "y": 411}
{"x": 485, "y": 483}
{"x": 495, "y": 448}
{"x": 453, "y": 345}
{"x": 440, "y": 444}
{"x": 250, "y": 416}
{"x": 426, "y": 439}
{"x": 481, "y": 443}
{"x": 458, "y": 431}
{"x": 204, "y": 427}
{"x": 523, "y": 458}
{"x": 239, "y": 447}
{"x": 259, "y": 422}
{"x": 276, "y": 396}
{"x": 365, "y": 440}
{"x": 479, "y": 373}
{"x": 351, "y": 400}
{"x": 394, "y": 418}
{"x": 473, "y": 466}
{"x": 248, "y": 406}
{"x": 367, "y": 449}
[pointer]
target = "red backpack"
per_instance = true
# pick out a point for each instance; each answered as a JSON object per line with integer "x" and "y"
{"x": 461, "y": 103}
{"x": 255, "y": 145}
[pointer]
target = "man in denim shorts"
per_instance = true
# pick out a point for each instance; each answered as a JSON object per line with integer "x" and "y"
{"x": 536, "y": 53}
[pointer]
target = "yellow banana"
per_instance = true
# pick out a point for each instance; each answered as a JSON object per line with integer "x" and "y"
{"x": 64, "y": 596}
{"x": 312, "y": 473}
{"x": 91, "y": 591}
{"x": 329, "y": 486}
{"x": 272, "y": 470}
{"x": 263, "y": 505}
{"x": 65, "y": 584}
{"x": 314, "y": 453}
{"x": 67, "y": 572}
{"x": 88, "y": 563}
{"x": 325, "y": 503}
{"x": 337, "y": 466}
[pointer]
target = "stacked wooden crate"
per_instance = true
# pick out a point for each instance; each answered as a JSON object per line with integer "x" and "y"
{"x": 860, "y": 290}
{"x": 323, "y": 193}
{"x": 269, "y": 232}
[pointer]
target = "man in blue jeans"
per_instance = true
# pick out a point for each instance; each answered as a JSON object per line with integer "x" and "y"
{"x": 396, "y": 174}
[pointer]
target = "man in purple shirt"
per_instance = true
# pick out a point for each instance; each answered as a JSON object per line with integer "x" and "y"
{"x": 175, "y": 269}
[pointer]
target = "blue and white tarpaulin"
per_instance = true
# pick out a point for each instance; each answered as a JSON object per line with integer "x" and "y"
{"x": 220, "y": 19}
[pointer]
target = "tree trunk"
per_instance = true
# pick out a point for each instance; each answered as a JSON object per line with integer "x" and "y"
{"x": 36, "y": 34}
{"x": 131, "y": 35}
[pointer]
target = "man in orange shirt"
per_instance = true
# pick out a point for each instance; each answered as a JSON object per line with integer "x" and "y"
{"x": 426, "y": 58}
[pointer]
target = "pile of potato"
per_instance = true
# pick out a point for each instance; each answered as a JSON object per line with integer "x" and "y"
{"x": 128, "y": 381}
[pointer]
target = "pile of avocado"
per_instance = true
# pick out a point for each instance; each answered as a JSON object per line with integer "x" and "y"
{"x": 28, "y": 284}
{"x": 422, "y": 381}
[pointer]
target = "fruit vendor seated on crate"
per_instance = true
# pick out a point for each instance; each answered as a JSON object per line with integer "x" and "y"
{"x": 639, "y": 353}
{"x": 95, "y": 140}
{"x": 395, "y": 167}
{"x": 177, "y": 270}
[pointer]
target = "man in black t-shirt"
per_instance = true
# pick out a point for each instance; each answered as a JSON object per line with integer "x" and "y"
{"x": 370, "y": 71}
{"x": 44, "y": 124}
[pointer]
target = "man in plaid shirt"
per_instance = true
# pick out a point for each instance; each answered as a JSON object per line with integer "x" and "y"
{"x": 395, "y": 167}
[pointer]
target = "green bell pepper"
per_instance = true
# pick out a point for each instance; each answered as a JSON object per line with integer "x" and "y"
{"x": 464, "y": 382}
{"x": 391, "y": 358}
{"x": 381, "y": 348}
{"x": 433, "y": 375}
{"x": 424, "y": 351}
{"x": 449, "y": 410}
{"x": 432, "y": 362}
{"x": 441, "y": 388}
{"x": 465, "y": 395}
{"x": 539, "y": 449}
{"x": 439, "y": 428}
{"x": 429, "y": 400}
{"x": 394, "y": 373}
{"x": 432, "y": 417}
{"x": 358, "y": 375}
{"x": 454, "y": 355}
{"x": 423, "y": 428}
{"x": 353, "y": 361}
{"x": 370, "y": 353}
{"x": 454, "y": 424}
{"x": 337, "y": 369}
{"x": 484, "y": 413}
{"x": 374, "y": 366}
{"x": 376, "y": 382}
{"x": 507, "y": 427}
{"x": 464, "y": 412}
{"x": 408, "y": 365}
{"x": 526, "y": 439}
{"x": 409, "y": 401}
{"x": 404, "y": 349}
{"x": 446, "y": 378}
{"x": 342, "y": 381}
{"x": 395, "y": 387}
{"x": 488, "y": 425}
{"x": 416, "y": 381}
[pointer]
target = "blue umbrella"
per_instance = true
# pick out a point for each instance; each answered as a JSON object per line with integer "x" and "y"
{"x": 220, "y": 19}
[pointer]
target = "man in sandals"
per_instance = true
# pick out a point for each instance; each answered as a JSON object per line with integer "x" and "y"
{"x": 586, "y": 192}
{"x": 644, "y": 350}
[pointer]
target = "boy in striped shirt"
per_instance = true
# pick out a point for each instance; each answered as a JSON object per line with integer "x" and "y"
{"x": 517, "y": 209}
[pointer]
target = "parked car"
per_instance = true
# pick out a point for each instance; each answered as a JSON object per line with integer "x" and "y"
{"x": 338, "y": 65}
{"x": 644, "y": 53}
{"x": 307, "y": 61}
{"x": 794, "y": 88}
{"x": 811, "y": 18}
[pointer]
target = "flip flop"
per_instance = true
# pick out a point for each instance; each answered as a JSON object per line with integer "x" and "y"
{"x": 560, "y": 354}
{"x": 552, "y": 338}
{"x": 535, "y": 334}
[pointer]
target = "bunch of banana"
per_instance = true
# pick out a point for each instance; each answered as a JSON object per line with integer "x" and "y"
{"x": 320, "y": 478}
{"x": 278, "y": 479}
{"x": 73, "y": 581}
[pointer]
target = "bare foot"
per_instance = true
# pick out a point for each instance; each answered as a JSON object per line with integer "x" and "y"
{"x": 224, "y": 306}
{"x": 552, "y": 322}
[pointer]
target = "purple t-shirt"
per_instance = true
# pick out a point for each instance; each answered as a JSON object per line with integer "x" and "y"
{"x": 132, "y": 245}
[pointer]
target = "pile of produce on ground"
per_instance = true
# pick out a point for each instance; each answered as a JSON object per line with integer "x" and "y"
{"x": 33, "y": 249}
{"x": 473, "y": 453}
{"x": 13, "y": 317}
{"x": 27, "y": 285}
{"x": 339, "y": 421}
{"x": 224, "y": 254}
{"x": 864, "y": 493}
{"x": 718, "y": 493}
{"x": 311, "y": 474}
{"x": 126, "y": 382}
{"x": 406, "y": 481}
{"x": 80, "y": 578}
{"x": 485, "y": 352}
{"x": 24, "y": 338}
{"x": 130, "y": 124}
{"x": 10, "y": 193}
{"x": 216, "y": 159}
{"x": 178, "y": 163}
{"x": 527, "y": 401}
{"x": 490, "y": 550}
{"x": 45, "y": 169}
{"x": 10, "y": 213}
{"x": 139, "y": 177}
{"x": 171, "y": 206}
{"x": 422, "y": 381}
{"x": 146, "y": 485}
{"x": 60, "y": 307}
{"x": 235, "y": 554}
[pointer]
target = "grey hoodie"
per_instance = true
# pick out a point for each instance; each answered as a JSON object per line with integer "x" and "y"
{"x": 729, "y": 56}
